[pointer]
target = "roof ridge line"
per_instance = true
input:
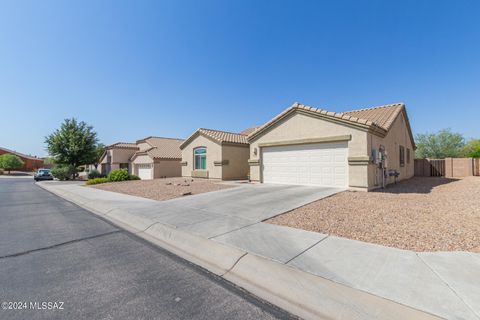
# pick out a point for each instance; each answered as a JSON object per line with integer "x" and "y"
{"x": 221, "y": 131}
{"x": 149, "y": 137}
{"x": 122, "y": 142}
{"x": 376, "y": 107}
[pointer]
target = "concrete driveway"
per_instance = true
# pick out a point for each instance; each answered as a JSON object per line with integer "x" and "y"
{"x": 255, "y": 201}
{"x": 209, "y": 214}
{"x": 215, "y": 213}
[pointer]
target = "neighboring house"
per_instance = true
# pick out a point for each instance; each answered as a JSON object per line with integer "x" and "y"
{"x": 157, "y": 157}
{"x": 310, "y": 146}
{"x": 216, "y": 154}
{"x": 149, "y": 158}
{"x": 30, "y": 163}
{"x": 117, "y": 156}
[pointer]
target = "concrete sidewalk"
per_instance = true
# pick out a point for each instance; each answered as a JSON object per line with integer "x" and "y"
{"x": 309, "y": 274}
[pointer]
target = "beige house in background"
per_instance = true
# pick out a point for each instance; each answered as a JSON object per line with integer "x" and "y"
{"x": 117, "y": 156}
{"x": 310, "y": 146}
{"x": 216, "y": 154}
{"x": 149, "y": 158}
{"x": 157, "y": 157}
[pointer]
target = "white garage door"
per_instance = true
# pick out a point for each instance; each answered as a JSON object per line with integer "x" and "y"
{"x": 320, "y": 164}
{"x": 144, "y": 171}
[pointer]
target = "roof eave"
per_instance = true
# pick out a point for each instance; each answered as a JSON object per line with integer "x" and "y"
{"x": 293, "y": 109}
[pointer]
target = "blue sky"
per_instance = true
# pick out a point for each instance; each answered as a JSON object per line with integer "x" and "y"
{"x": 138, "y": 68}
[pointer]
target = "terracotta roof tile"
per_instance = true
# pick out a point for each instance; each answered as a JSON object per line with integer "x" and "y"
{"x": 249, "y": 130}
{"x": 377, "y": 118}
{"x": 125, "y": 145}
{"x": 225, "y": 136}
{"x": 382, "y": 116}
{"x": 163, "y": 148}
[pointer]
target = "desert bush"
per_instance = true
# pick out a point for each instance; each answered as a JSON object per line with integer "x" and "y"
{"x": 63, "y": 172}
{"x": 97, "y": 181}
{"x": 118, "y": 175}
{"x": 94, "y": 173}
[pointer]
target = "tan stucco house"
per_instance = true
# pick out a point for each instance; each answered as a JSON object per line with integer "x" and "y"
{"x": 359, "y": 149}
{"x": 215, "y": 154}
{"x": 149, "y": 158}
{"x": 117, "y": 156}
{"x": 157, "y": 157}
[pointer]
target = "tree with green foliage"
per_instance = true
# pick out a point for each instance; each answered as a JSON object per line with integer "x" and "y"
{"x": 10, "y": 161}
{"x": 99, "y": 150}
{"x": 440, "y": 145}
{"x": 472, "y": 149}
{"x": 49, "y": 162}
{"x": 73, "y": 144}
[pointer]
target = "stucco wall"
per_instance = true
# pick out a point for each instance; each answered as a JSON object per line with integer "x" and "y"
{"x": 214, "y": 153}
{"x": 167, "y": 168}
{"x": 122, "y": 155}
{"x": 301, "y": 126}
{"x": 237, "y": 167}
{"x": 142, "y": 159}
{"x": 398, "y": 135}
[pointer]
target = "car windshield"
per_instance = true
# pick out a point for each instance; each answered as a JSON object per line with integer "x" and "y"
{"x": 43, "y": 171}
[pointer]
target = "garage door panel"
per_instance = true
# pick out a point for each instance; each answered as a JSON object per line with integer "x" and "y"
{"x": 310, "y": 164}
{"x": 145, "y": 171}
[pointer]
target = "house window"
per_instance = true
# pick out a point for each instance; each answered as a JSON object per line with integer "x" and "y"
{"x": 200, "y": 158}
{"x": 408, "y": 155}
{"x": 402, "y": 156}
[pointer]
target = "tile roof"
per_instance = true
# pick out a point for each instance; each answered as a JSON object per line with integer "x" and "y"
{"x": 377, "y": 119}
{"x": 224, "y": 136}
{"x": 162, "y": 148}
{"x": 218, "y": 136}
{"x": 382, "y": 116}
{"x": 123, "y": 145}
{"x": 249, "y": 130}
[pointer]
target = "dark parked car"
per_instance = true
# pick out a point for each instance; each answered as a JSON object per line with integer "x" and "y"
{"x": 43, "y": 174}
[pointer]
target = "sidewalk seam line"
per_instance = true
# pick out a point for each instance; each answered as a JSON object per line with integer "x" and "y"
{"x": 448, "y": 286}
{"x": 222, "y": 234}
{"x": 313, "y": 245}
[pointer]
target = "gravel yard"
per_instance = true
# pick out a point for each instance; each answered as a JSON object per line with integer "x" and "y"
{"x": 421, "y": 214}
{"x": 163, "y": 189}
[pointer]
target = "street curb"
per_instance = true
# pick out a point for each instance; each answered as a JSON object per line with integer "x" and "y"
{"x": 296, "y": 291}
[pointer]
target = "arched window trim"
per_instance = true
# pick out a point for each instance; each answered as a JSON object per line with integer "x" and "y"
{"x": 200, "y": 159}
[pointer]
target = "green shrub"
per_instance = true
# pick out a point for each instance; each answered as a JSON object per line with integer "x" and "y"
{"x": 94, "y": 173}
{"x": 134, "y": 177}
{"x": 97, "y": 181}
{"x": 118, "y": 175}
{"x": 63, "y": 172}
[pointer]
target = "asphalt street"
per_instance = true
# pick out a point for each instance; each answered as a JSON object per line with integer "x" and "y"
{"x": 59, "y": 261}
